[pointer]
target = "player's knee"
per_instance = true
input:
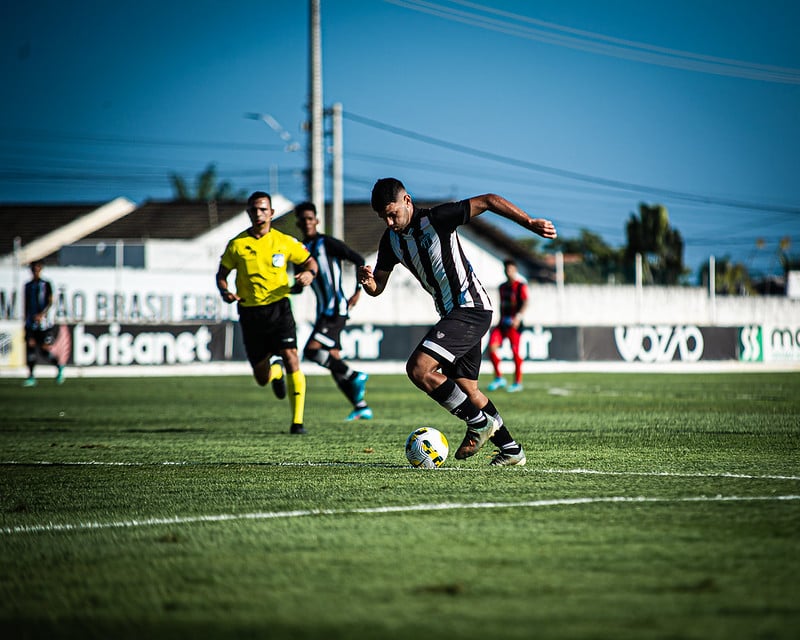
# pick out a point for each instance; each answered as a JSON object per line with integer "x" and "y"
{"x": 418, "y": 374}
{"x": 261, "y": 373}
{"x": 320, "y": 356}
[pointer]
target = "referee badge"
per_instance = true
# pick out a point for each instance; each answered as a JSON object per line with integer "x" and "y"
{"x": 278, "y": 259}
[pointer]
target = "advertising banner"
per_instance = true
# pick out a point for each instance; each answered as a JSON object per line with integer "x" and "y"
{"x": 12, "y": 344}
{"x": 659, "y": 343}
{"x": 769, "y": 343}
{"x": 125, "y": 345}
{"x": 118, "y": 344}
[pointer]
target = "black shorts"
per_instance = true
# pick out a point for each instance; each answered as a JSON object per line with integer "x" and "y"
{"x": 327, "y": 331}
{"x": 42, "y": 337}
{"x": 455, "y": 342}
{"x": 267, "y": 330}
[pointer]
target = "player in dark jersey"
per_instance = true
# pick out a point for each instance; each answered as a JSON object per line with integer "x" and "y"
{"x": 513, "y": 302}
{"x": 333, "y": 307}
{"x": 446, "y": 363}
{"x": 39, "y": 329}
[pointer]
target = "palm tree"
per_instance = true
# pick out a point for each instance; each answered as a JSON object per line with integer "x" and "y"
{"x": 207, "y": 187}
{"x": 660, "y": 245}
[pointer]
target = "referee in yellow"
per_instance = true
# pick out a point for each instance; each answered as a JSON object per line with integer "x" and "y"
{"x": 260, "y": 255}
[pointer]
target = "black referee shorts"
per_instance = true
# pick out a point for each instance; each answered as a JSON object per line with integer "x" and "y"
{"x": 267, "y": 330}
{"x": 455, "y": 342}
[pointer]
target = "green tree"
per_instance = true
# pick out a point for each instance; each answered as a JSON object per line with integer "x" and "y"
{"x": 599, "y": 264}
{"x": 207, "y": 187}
{"x": 660, "y": 245}
{"x": 729, "y": 278}
{"x": 788, "y": 261}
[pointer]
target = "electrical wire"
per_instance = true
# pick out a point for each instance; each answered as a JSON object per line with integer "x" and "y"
{"x": 573, "y": 175}
{"x": 601, "y": 44}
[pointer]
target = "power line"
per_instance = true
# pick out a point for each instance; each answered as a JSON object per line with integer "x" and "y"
{"x": 572, "y": 175}
{"x": 49, "y": 137}
{"x": 601, "y": 44}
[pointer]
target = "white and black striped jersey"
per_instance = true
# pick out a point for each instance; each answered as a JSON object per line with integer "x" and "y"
{"x": 38, "y": 296}
{"x": 327, "y": 286}
{"x": 431, "y": 250}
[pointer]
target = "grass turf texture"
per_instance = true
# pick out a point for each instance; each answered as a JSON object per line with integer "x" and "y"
{"x": 296, "y": 559}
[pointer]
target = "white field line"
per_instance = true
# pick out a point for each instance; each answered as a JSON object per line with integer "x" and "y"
{"x": 186, "y": 463}
{"x": 667, "y": 474}
{"x": 382, "y": 367}
{"x": 444, "y": 506}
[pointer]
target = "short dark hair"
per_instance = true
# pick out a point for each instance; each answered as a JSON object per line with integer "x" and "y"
{"x": 385, "y": 192}
{"x": 509, "y": 262}
{"x": 305, "y": 206}
{"x": 258, "y": 195}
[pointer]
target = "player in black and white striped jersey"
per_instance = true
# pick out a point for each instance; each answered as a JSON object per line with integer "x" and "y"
{"x": 446, "y": 363}
{"x": 333, "y": 308}
{"x": 40, "y": 334}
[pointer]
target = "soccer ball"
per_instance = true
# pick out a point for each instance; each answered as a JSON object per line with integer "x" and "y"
{"x": 426, "y": 448}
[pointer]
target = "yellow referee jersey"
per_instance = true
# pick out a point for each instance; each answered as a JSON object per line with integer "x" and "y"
{"x": 261, "y": 265}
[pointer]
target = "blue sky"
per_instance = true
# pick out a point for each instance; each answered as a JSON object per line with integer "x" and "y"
{"x": 575, "y": 110}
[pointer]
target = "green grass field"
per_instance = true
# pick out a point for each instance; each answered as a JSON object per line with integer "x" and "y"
{"x": 652, "y": 506}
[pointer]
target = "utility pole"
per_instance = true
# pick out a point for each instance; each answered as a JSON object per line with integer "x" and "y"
{"x": 316, "y": 150}
{"x": 336, "y": 169}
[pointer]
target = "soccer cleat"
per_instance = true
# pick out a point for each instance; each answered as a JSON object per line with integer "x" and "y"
{"x": 503, "y": 459}
{"x": 277, "y": 377}
{"x": 497, "y": 383}
{"x": 475, "y": 438}
{"x": 359, "y": 387}
{"x": 517, "y": 386}
{"x": 29, "y": 382}
{"x": 60, "y": 375}
{"x": 297, "y": 429}
{"x": 364, "y": 413}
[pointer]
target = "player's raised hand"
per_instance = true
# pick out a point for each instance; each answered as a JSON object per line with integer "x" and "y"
{"x": 365, "y": 274}
{"x": 367, "y": 280}
{"x": 543, "y": 227}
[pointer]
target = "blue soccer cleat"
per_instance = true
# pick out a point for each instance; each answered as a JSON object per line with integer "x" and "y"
{"x": 359, "y": 387}
{"x": 364, "y": 413}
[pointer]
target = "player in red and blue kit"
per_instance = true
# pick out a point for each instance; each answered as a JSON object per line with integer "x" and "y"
{"x": 513, "y": 302}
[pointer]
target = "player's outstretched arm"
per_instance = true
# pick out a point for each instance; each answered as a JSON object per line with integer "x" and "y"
{"x": 373, "y": 284}
{"x": 508, "y": 210}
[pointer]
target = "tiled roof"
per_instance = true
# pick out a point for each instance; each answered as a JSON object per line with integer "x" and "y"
{"x": 363, "y": 230}
{"x": 169, "y": 220}
{"x": 32, "y": 221}
{"x": 186, "y": 220}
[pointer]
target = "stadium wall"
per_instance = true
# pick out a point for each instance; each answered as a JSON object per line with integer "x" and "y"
{"x": 127, "y": 317}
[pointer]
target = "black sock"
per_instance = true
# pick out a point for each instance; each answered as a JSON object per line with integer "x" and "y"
{"x": 502, "y": 439}
{"x": 452, "y": 398}
{"x": 339, "y": 368}
{"x": 491, "y": 410}
{"x": 344, "y": 376}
